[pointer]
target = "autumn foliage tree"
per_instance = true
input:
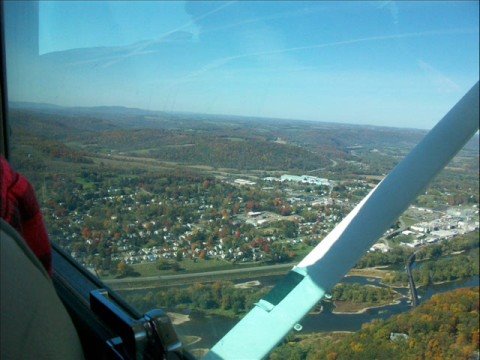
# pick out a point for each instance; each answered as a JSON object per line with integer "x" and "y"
{"x": 445, "y": 327}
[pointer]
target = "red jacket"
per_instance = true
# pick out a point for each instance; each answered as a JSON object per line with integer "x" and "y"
{"x": 19, "y": 207}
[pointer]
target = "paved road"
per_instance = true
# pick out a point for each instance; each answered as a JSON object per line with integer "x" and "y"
{"x": 200, "y": 274}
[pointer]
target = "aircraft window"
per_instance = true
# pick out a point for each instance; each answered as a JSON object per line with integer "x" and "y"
{"x": 189, "y": 154}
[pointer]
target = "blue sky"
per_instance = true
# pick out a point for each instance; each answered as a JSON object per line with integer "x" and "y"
{"x": 380, "y": 63}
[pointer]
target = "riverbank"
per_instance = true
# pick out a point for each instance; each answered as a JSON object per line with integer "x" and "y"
{"x": 321, "y": 324}
{"x": 405, "y": 285}
{"x": 199, "y": 353}
{"x": 189, "y": 340}
{"x": 316, "y": 310}
{"x": 248, "y": 284}
{"x": 351, "y": 308}
{"x": 377, "y": 272}
{"x": 178, "y": 319}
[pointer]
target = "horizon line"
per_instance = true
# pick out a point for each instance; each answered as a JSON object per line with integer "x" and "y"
{"x": 215, "y": 114}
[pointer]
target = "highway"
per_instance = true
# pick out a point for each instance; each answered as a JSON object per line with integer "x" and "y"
{"x": 184, "y": 276}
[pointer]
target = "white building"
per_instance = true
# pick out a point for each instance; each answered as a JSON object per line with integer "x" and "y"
{"x": 305, "y": 179}
{"x": 243, "y": 182}
{"x": 380, "y": 247}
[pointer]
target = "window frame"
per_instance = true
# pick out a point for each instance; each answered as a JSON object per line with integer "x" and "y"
{"x": 4, "y": 128}
{"x": 99, "y": 336}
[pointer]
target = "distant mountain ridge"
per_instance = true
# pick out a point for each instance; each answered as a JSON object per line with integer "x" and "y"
{"x": 299, "y": 132}
{"x": 123, "y": 110}
{"x": 25, "y": 105}
{"x": 33, "y": 105}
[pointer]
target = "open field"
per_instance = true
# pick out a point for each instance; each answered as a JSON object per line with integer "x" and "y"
{"x": 369, "y": 272}
{"x": 187, "y": 265}
{"x": 236, "y": 272}
{"x": 190, "y": 278}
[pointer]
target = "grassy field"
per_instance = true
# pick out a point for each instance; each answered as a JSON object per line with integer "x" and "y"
{"x": 302, "y": 251}
{"x": 150, "y": 269}
{"x": 137, "y": 283}
{"x": 408, "y": 220}
{"x": 187, "y": 265}
{"x": 87, "y": 185}
{"x": 190, "y": 266}
{"x": 370, "y": 272}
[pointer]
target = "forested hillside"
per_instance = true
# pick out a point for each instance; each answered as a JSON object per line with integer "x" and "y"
{"x": 180, "y": 146}
{"x": 445, "y": 327}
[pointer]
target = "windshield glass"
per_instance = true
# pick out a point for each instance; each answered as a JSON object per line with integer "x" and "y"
{"x": 190, "y": 153}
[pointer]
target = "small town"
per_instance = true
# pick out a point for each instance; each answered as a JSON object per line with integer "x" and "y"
{"x": 291, "y": 214}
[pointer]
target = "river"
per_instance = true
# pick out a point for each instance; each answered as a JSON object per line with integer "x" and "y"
{"x": 212, "y": 328}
